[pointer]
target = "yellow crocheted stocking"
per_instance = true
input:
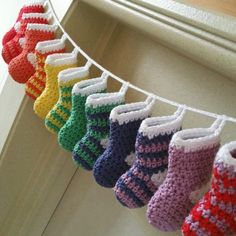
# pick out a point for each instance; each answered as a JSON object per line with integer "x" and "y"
{"x": 53, "y": 65}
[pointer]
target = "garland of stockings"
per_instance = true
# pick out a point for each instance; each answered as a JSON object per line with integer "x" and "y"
{"x": 146, "y": 160}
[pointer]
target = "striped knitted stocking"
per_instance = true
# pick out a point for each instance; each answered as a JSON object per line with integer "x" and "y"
{"x": 53, "y": 65}
{"x": 22, "y": 67}
{"x": 215, "y": 214}
{"x": 97, "y": 109}
{"x": 124, "y": 124}
{"x": 15, "y": 46}
{"x": 136, "y": 187}
{"x": 75, "y": 127}
{"x": 35, "y": 6}
{"x": 36, "y": 84}
{"x": 59, "y": 114}
{"x": 191, "y": 157}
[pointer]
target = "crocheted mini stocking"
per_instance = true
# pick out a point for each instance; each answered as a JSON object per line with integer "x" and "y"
{"x": 15, "y": 46}
{"x": 53, "y": 65}
{"x": 215, "y": 214}
{"x": 97, "y": 109}
{"x": 136, "y": 187}
{"x": 75, "y": 127}
{"x": 191, "y": 157}
{"x": 36, "y": 84}
{"x": 59, "y": 114}
{"x": 35, "y": 6}
{"x": 22, "y": 67}
{"x": 118, "y": 157}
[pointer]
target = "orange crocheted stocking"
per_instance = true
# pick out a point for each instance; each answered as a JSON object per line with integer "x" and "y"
{"x": 36, "y": 84}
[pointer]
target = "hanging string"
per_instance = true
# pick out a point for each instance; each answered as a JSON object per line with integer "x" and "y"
{"x": 195, "y": 110}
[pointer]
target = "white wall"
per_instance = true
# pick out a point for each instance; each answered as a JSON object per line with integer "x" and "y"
{"x": 8, "y": 12}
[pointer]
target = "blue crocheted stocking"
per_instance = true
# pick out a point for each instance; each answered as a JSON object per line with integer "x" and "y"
{"x": 124, "y": 124}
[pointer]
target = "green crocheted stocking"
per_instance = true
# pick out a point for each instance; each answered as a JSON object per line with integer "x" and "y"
{"x": 75, "y": 127}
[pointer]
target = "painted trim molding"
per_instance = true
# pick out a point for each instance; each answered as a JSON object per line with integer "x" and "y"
{"x": 171, "y": 24}
{"x": 218, "y": 24}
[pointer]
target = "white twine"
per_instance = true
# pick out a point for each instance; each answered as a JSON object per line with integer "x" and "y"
{"x": 110, "y": 74}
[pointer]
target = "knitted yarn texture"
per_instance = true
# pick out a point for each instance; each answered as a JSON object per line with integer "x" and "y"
{"x": 75, "y": 127}
{"x": 31, "y": 7}
{"x": 191, "y": 157}
{"x": 93, "y": 144}
{"x": 136, "y": 187}
{"x": 15, "y": 46}
{"x": 22, "y": 67}
{"x": 215, "y": 213}
{"x": 36, "y": 84}
{"x": 59, "y": 114}
{"x": 53, "y": 65}
{"x": 118, "y": 157}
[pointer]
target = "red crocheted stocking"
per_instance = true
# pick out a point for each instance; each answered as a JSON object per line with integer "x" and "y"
{"x": 14, "y": 47}
{"x": 35, "y": 6}
{"x": 215, "y": 214}
{"x": 22, "y": 67}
